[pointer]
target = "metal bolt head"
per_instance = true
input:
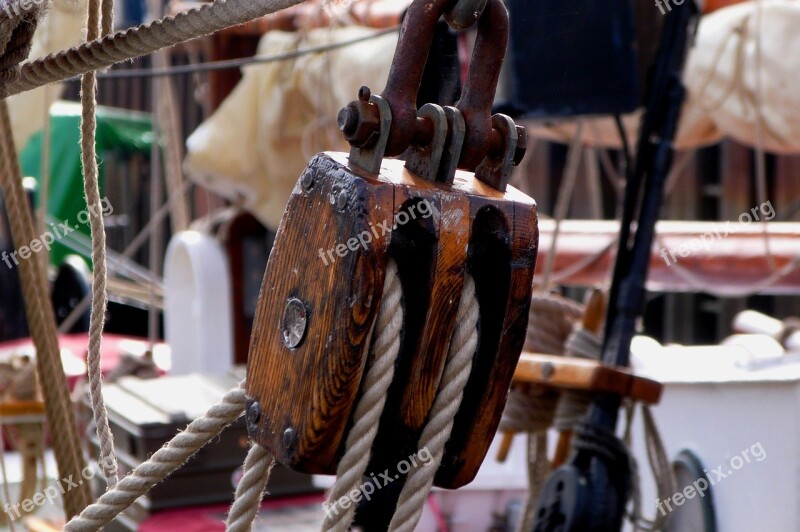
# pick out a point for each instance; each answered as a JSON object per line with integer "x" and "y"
{"x": 341, "y": 200}
{"x": 307, "y": 180}
{"x": 364, "y": 94}
{"x": 547, "y": 370}
{"x": 295, "y": 321}
{"x": 360, "y": 123}
{"x": 254, "y": 413}
{"x": 348, "y": 120}
{"x": 288, "y": 438}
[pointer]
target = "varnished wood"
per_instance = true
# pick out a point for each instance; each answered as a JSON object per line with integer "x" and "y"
{"x": 312, "y": 389}
{"x": 588, "y": 375}
{"x": 487, "y": 389}
{"x": 21, "y": 408}
{"x": 306, "y": 394}
{"x": 562, "y": 449}
{"x": 503, "y": 287}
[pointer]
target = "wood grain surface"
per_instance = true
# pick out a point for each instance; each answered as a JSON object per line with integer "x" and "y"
{"x": 307, "y": 394}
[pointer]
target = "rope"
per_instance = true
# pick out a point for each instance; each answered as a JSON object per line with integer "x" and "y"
{"x": 250, "y": 491}
{"x": 99, "y": 296}
{"x": 445, "y": 407}
{"x": 163, "y": 462}
{"x": 42, "y": 325}
{"x": 530, "y": 410}
{"x": 572, "y": 406}
{"x": 4, "y": 517}
{"x": 550, "y": 321}
{"x": 107, "y": 19}
{"x": 384, "y": 350}
{"x": 660, "y": 465}
{"x": 168, "y": 123}
{"x": 142, "y": 40}
{"x": 538, "y": 469}
{"x": 564, "y": 197}
{"x": 229, "y": 64}
{"x": 16, "y": 46}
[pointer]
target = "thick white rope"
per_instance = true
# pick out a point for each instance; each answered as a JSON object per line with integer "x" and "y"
{"x": 142, "y": 40}
{"x": 445, "y": 407}
{"x": 97, "y": 316}
{"x": 250, "y": 491}
{"x": 163, "y": 462}
{"x": 384, "y": 350}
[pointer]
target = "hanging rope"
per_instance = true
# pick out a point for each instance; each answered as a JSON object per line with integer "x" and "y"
{"x": 4, "y": 518}
{"x": 383, "y": 354}
{"x": 97, "y": 316}
{"x": 163, "y": 462}
{"x": 142, "y": 40}
{"x": 660, "y": 466}
{"x": 445, "y": 407}
{"x": 41, "y": 322}
{"x": 250, "y": 491}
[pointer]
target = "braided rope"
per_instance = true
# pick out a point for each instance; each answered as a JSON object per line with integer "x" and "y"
{"x": 107, "y": 20}
{"x": 99, "y": 296}
{"x": 141, "y": 40}
{"x": 445, "y": 407}
{"x": 384, "y": 350}
{"x": 42, "y": 325}
{"x": 163, "y": 462}
{"x": 250, "y": 491}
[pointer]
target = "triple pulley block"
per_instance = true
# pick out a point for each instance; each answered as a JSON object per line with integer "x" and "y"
{"x": 444, "y": 212}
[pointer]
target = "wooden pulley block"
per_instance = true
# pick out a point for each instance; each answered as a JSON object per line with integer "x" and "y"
{"x": 348, "y": 216}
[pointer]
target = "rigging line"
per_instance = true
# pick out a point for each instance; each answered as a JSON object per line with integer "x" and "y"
{"x": 761, "y": 170}
{"x": 701, "y": 285}
{"x": 226, "y": 64}
{"x": 564, "y": 199}
{"x": 6, "y": 494}
{"x": 562, "y": 275}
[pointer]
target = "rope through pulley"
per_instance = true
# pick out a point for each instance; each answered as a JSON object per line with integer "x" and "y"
{"x": 462, "y": 245}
